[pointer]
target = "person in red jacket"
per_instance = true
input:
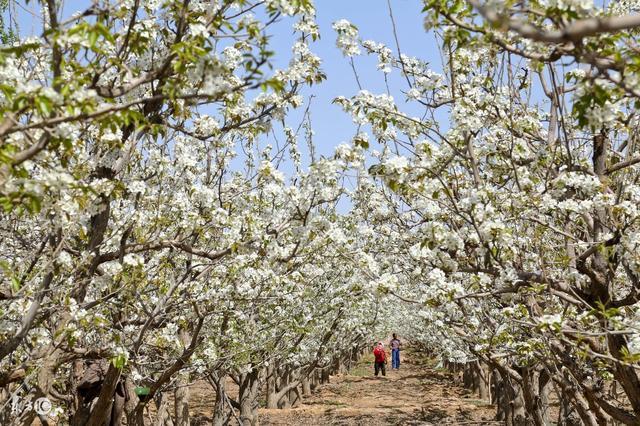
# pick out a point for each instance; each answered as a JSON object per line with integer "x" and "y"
{"x": 380, "y": 359}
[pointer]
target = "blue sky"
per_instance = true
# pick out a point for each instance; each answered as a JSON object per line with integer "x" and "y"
{"x": 332, "y": 126}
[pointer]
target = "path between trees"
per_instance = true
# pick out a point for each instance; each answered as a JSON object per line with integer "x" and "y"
{"x": 417, "y": 394}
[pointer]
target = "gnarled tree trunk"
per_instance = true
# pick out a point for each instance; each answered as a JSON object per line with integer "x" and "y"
{"x": 220, "y": 413}
{"x": 163, "y": 418}
{"x": 509, "y": 400}
{"x": 181, "y": 394}
{"x": 248, "y": 398}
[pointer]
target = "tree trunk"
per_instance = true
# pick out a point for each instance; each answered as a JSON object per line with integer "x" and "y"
{"x": 130, "y": 401}
{"x": 324, "y": 376}
{"x": 509, "y": 401}
{"x": 484, "y": 381}
{"x": 101, "y": 412}
{"x": 336, "y": 366}
{"x": 79, "y": 409}
{"x": 567, "y": 415}
{"x": 272, "y": 387}
{"x": 457, "y": 370}
{"x": 163, "y": 418}
{"x": 181, "y": 394}
{"x": 544, "y": 387}
{"x": 306, "y": 387}
{"x": 247, "y": 398}
{"x": 181, "y": 400}
{"x": 220, "y": 416}
{"x": 118, "y": 404}
{"x": 283, "y": 394}
{"x": 295, "y": 396}
{"x": 532, "y": 390}
{"x": 87, "y": 382}
{"x": 625, "y": 375}
{"x": 467, "y": 376}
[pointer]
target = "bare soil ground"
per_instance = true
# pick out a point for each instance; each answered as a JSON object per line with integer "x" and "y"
{"x": 417, "y": 394}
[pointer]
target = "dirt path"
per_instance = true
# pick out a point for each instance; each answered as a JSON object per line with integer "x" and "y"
{"x": 417, "y": 394}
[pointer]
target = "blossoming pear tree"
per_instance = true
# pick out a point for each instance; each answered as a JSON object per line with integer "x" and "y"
{"x": 147, "y": 236}
{"x": 514, "y": 195}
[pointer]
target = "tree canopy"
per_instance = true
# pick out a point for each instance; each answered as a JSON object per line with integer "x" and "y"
{"x": 151, "y": 235}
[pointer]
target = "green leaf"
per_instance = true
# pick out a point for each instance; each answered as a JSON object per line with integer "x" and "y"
{"x": 15, "y": 284}
{"x": 44, "y": 105}
{"x": 119, "y": 361}
{"x": 34, "y": 204}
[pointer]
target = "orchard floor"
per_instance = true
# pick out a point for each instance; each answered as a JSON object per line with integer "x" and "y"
{"x": 417, "y": 394}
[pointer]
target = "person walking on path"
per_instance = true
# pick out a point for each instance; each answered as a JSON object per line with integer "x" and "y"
{"x": 380, "y": 359}
{"x": 395, "y": 352}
